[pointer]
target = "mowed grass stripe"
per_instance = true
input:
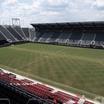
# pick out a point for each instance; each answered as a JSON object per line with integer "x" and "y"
{"x": 62, "y": 50}
{"x": 79, "y": 68}
{"x": 59, "y": 55}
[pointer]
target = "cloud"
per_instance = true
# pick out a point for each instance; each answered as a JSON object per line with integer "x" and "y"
{"x": 51, "y": 10}
{"x": 10, "y": 2}
{"x": 100, "y": 2}
{"x": 56, "y": 2}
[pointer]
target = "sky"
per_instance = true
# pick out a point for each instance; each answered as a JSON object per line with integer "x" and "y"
{"x": 51, "y": 11}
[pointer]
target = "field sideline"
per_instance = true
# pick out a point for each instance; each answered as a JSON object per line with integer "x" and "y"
{"x": 76, "y": 67}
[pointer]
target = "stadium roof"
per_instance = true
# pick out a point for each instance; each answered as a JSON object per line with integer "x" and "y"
{"x": 72, "y": 25}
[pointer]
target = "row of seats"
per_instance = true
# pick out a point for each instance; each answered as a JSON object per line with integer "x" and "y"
{"x": 40, "y": 90}
{"x": 70, "y": 38}
{"x": 14, "y": 34}
{"x": 13, "y": 89}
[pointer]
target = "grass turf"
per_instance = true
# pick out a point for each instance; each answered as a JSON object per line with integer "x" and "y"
{"x": 76, "y": 67}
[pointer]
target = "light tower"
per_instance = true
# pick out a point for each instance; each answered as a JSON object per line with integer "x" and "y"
{"x": 16, "y": 21}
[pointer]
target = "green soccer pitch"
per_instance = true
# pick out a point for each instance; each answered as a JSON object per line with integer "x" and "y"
{"x": 63, "y": 67}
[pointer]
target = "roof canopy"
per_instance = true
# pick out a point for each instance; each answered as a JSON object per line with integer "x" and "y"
{"x": 71, "y": 25}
